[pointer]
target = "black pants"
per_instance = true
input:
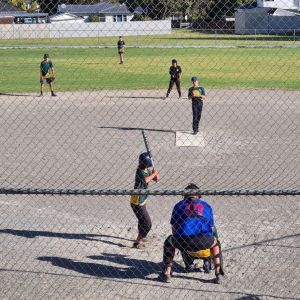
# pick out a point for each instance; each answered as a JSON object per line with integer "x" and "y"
{"x": 193, "y": 244}
{"x": 171, "y": 84}
{"x": 144, "y": 220}
{"x": 197, "y": 105}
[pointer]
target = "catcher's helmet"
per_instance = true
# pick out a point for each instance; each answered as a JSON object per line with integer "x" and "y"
{"x": 145, "y": 160}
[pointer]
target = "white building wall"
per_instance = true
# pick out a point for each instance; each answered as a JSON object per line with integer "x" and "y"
{"x": 284, "y": 4}
{"x": 110, "y": 19}
{"x": 93, "y": 29}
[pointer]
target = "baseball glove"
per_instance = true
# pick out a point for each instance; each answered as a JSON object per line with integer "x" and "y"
{"x": 50, "y": 77}
{"x": 196, "y": 94}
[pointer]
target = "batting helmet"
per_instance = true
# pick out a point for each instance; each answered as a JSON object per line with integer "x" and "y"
{"x": 145, "y": 160}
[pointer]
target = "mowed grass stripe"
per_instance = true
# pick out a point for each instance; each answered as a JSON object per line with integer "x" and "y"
{"x": 84, "y": 69}
{"x": 178, "y": 37}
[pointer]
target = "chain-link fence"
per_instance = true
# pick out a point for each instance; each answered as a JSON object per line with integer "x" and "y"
{"x": 71, "y": 135}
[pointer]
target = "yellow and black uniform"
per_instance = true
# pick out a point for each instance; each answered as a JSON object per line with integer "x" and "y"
{"x": 175, "y": 73}
{"x": 196, "y": 93}
{"x": 138, "y": 202}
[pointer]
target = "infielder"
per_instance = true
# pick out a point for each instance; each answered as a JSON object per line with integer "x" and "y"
{"x": 47, "y": 74}
{"x": 144, "y": 175}
{"x": 176, "y": 74}
{"x": 197, "y": 95}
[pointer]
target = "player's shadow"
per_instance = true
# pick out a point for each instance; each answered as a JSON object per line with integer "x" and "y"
{"x": 137, "y": 97}
{"x": 137, "y": 129}
{"x": 72, "y": 236}
{"x": 128, "y": 267}
{"x": 15, "y": 95}
{"x": 249, "y": 297}
{"x": 265, "y": 243}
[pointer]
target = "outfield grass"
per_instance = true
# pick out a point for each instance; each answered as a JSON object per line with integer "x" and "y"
{"x": 176, "y": 38}
{"x": 82, "y": 69}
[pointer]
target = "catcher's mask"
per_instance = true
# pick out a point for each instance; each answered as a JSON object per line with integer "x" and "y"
{"x": 145, "y": 160}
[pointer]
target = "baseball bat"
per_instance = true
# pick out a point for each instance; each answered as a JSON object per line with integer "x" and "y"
{"x": 147, "y": 147}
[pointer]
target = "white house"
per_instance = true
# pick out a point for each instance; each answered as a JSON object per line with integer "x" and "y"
{"x": 268, "y": 16}
{"x": 107, "y": 12}
{"x": 66, "y": 18}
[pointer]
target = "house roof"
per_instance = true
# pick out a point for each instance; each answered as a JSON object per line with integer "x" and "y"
{"x": 286, "y": 12}
{"x": 99, "y": 8}
{"x": 69, "y": 16}
{"x": 139, "y": 10}
{"x": 21, "y": 14}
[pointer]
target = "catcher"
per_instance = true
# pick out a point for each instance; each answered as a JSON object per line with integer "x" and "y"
{"x": 47, "y": 74}
{"x": 121, "y": 49}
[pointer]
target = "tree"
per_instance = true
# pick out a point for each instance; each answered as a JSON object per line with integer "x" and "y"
{"x": 221, "y": 8}
{"x": 34, "y": 6}
{"x": 24, "y": 6}
{"x": 49, "y": 6}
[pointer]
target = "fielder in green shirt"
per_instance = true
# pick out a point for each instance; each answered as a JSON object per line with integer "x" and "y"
{"x": 47, "y": 74}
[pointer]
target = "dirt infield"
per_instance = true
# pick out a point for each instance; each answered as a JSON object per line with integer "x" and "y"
{"x": 59, "y": 247}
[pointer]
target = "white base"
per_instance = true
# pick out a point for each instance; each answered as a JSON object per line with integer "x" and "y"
{"x": 188, "y": 139}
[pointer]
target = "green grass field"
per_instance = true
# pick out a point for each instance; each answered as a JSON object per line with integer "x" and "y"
{"x": 182, "y": 37}
{"x": 85, "y": 69}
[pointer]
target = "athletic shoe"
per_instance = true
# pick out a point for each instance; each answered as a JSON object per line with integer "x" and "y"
{"x": 218, "y": 279}
{"x": 53, "y": 94}
{"x": 138, "y": 245}
{"x": 195, "y": 132}
{"x": 193, "y": 268}
{"x": 207, "y": 266}
{"x": 164, "y": 277}
{"x": 40, "y": 95}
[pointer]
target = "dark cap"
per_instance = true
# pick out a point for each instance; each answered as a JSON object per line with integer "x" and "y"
{"x": 46, "y": 55}
{"x": 194, "y": 78}
{"x": 187, "y": 194}
{"x": 174, "y": 61}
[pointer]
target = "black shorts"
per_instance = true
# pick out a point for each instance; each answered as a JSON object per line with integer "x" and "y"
{"x": 194, "y": 243}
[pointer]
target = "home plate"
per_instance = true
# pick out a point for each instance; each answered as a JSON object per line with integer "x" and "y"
{"x": 188, "y": 139}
